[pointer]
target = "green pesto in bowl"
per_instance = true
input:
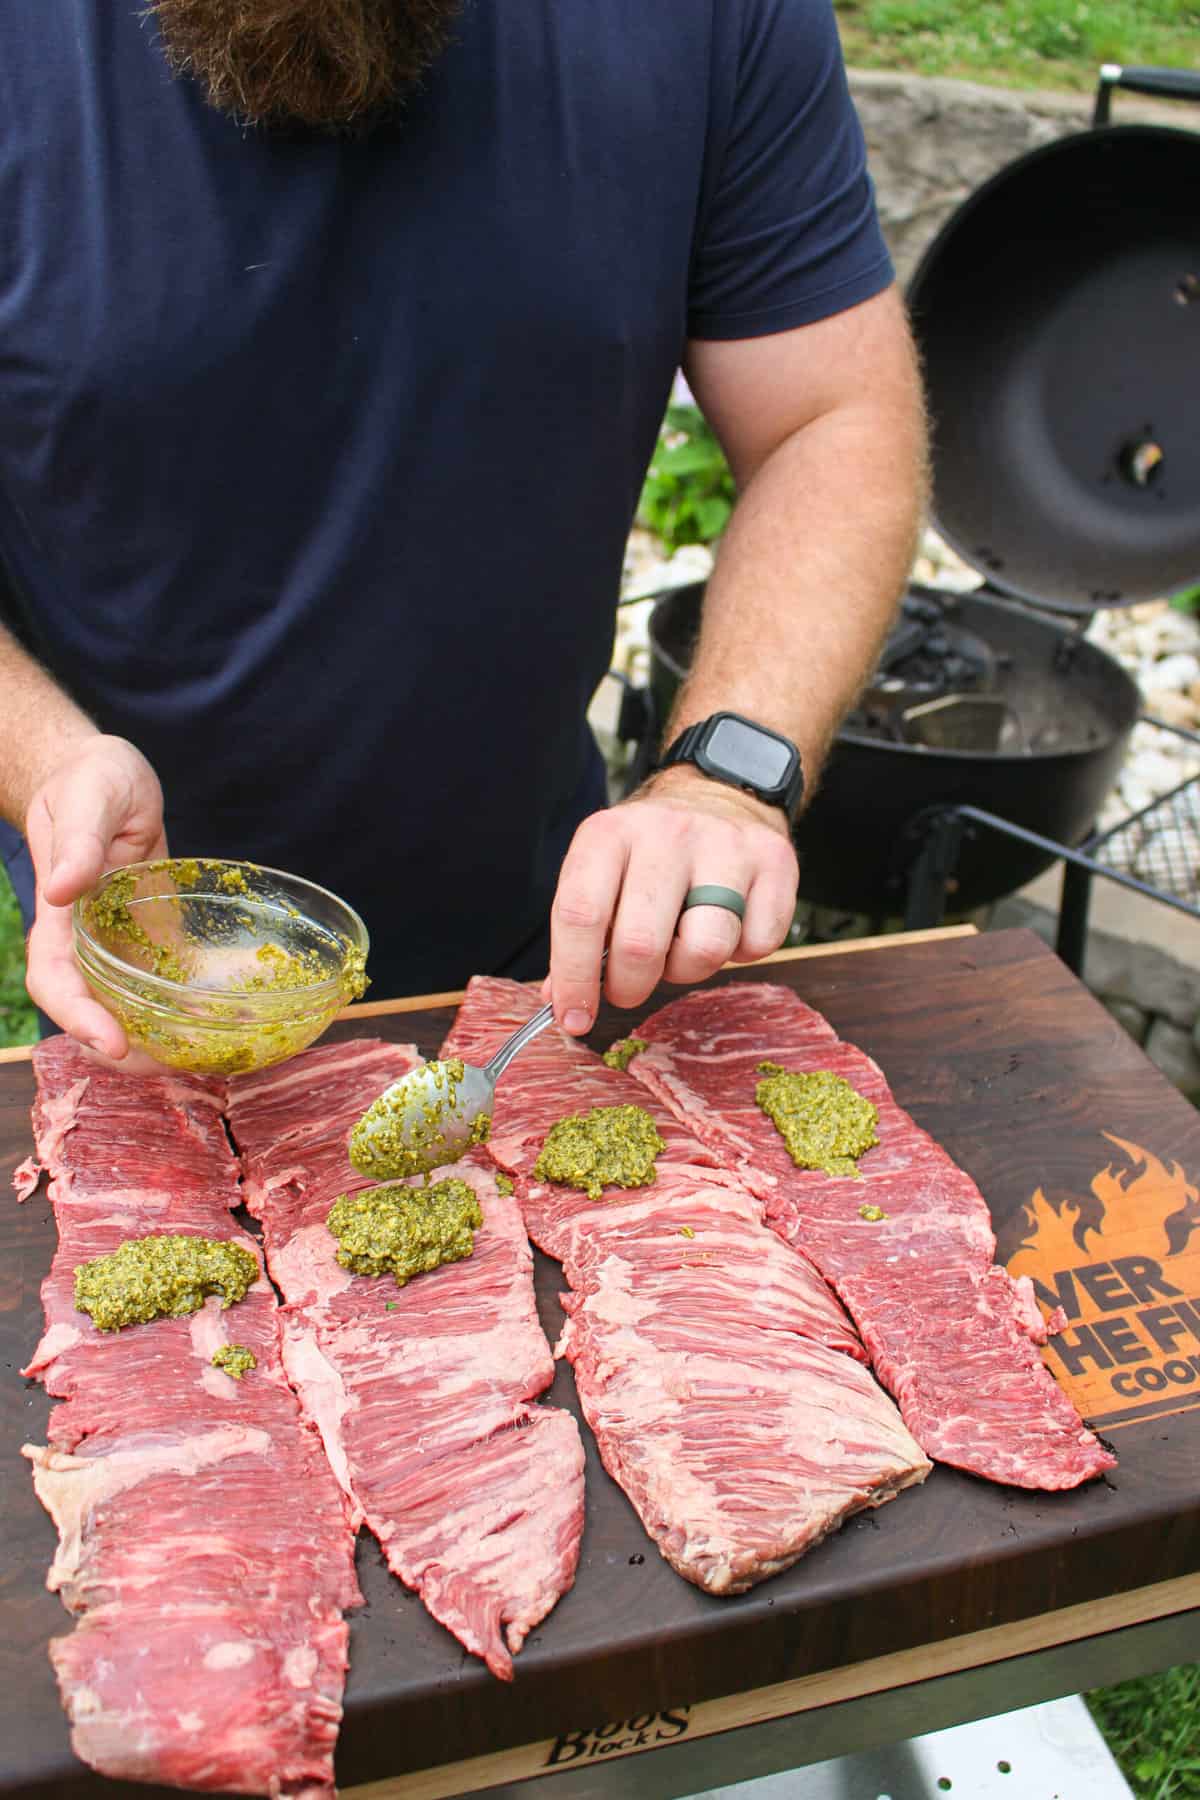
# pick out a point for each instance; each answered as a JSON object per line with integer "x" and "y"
{"x": 217, "y": 967}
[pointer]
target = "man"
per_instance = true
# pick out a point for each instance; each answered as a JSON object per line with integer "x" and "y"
{"x": 334, "y": 339}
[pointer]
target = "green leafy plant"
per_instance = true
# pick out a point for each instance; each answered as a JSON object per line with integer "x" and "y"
{"x": 18, "y": 1024}
{"x": 689, "y": 491}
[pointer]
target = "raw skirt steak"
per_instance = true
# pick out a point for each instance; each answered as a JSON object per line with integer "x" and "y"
{"x": 425, "y": 1394}
{"x": 950, "y": 1334}
{"x": 204, "y": 1546}
{"x": 726, "y": 1390}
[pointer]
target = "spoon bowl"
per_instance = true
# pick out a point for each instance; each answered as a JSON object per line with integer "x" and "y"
{"x": 431, "y": 1116}
{"x": 437, "y": 1112}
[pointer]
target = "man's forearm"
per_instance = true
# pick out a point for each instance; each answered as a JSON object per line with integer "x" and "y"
{"x": 41, "y": 725}
{"x": 816, "y": 555}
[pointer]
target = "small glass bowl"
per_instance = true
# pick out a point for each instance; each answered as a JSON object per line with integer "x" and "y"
{"x": 217, "y": 967}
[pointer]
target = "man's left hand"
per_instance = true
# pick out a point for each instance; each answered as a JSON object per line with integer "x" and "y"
{"x": 628, "y": 872}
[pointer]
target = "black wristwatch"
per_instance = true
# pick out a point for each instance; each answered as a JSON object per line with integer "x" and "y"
{"x": 744, "y": 755}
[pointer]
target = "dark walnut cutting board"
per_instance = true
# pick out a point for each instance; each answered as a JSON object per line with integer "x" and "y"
{"x": 1090, "y": 1163}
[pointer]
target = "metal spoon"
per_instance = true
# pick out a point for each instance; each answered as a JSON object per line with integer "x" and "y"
{"x": 436, "y": 1112}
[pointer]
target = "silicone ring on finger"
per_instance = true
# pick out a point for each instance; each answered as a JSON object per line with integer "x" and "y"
{"x": 710, "y": 894}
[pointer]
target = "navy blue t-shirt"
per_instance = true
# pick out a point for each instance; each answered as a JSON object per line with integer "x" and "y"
{"x": 318, "y": 457}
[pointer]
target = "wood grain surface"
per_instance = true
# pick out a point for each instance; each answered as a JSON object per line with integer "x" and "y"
{"x": 1000, "y": 1053}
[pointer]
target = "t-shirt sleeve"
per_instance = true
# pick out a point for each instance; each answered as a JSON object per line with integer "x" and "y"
{"x": 787, "y": 231}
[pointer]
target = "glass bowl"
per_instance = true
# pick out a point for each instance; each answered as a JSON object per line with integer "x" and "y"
{"x": 217, "y": 967}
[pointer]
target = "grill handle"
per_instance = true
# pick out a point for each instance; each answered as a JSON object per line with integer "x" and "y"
{"x": 1167, "y": 84}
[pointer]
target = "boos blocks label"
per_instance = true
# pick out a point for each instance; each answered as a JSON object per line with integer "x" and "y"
{"x": 1122, "y": 1259}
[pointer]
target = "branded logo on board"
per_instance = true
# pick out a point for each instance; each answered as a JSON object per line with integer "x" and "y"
{"x": 619, "y": 1737}
{"x": 1123, "y": 1262}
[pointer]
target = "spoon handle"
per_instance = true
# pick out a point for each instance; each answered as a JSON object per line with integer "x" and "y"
{"x": 504, "y": 1055}
{"x": 525, "y": 1035}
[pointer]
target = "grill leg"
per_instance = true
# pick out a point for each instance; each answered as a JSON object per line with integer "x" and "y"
{"x": 935, "y": 862}
{"x": 1071, "y": 943}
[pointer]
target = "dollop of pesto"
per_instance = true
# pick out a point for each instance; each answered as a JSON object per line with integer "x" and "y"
{"x": 403, "y": 1133}
{"x": 405, "y": 1231}
{"x": 235, "y": 1360}
{"x": 622, "y": 1053}
{"x": 611, "y": 1146}
{"x": 825, "y": 1123}
{"x": 504, "y": 1185}
{"x": 161, "y": 1278}
{"x": 872, "y": 1214}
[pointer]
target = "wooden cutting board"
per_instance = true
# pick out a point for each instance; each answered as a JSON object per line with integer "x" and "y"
{"x": 1088, "y": 1158}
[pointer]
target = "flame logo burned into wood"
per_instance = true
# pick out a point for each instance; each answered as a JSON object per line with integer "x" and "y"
{"x": 1122, "y": 1259}
{"x": 1160, "y": 1193}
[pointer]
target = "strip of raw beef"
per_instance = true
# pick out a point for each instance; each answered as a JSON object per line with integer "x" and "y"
{"x": 949, "y": 1332}
{"x": 204, "y": 1546}
{"x": 423, "y": 1394}
{"x": 725, "y": 1387}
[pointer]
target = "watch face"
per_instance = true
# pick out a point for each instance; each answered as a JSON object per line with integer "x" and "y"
{"x": 748, "y": 754}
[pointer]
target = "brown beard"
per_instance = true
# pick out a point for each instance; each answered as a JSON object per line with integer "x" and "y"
{"x": 326, "y": 64}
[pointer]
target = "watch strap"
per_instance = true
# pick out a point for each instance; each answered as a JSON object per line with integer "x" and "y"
{"x": 684, "y": 750}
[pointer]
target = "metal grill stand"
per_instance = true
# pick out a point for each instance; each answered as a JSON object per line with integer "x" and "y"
{"x": 1161, "y": 840}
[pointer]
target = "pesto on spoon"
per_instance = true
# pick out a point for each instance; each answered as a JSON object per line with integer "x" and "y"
{"x": 437, "y": 1112}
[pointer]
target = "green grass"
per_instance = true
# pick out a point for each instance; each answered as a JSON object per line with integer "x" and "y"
{"x": 1019, "y": 43}
{"x": 1152, "y": 1725}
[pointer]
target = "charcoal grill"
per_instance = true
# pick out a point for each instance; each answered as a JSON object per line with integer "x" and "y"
{"x": 1046, "y": 756}
{"x": 1058, "y": 317}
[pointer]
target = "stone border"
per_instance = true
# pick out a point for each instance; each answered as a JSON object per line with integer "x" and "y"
{"x": 1155, "y": 998}
{"x": 933, "y": 141}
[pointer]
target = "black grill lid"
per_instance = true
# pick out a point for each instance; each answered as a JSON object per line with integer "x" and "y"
{"x": 1058, "y": 316}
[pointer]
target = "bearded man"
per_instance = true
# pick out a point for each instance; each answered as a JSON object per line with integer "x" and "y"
{"x": 334, "y": 340}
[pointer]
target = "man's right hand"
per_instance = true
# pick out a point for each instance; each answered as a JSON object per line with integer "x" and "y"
{"x": 98, "y": 809}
